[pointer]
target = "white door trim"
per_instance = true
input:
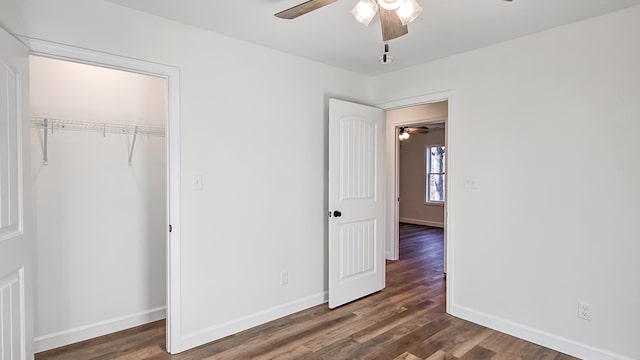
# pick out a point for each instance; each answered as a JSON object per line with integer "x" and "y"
{"x": 392, "y": 215}
{"x": 172, "y": 75}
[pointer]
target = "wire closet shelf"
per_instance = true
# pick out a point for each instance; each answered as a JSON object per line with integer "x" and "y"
{"x": 50, "y": 124}
{"x": 92, "y": 126}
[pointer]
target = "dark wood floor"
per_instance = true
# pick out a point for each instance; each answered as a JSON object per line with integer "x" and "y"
{"x": 407, "y": 320}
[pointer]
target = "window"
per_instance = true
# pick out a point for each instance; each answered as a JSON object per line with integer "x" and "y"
{"x": 436, "y": 160}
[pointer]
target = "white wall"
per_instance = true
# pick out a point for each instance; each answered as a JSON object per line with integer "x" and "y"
{"x": 549, "y": 125}
{"x": 68, "y": 90}
{"x": 413, "y": 207}
{"x": 101, "y": 223}
{"x": 233, "y": 244}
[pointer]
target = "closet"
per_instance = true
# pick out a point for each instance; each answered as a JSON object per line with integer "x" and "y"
{"x": 98, "y": 157}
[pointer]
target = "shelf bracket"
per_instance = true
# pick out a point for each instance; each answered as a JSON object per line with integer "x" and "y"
{"x": 133, "y": 144}
{"x": 45, "y": 156}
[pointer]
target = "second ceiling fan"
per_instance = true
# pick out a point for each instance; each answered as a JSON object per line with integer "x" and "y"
{"x": 394, "y": 14}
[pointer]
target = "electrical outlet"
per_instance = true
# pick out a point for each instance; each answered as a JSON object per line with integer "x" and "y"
{"x": 584, "y": 310}
{"x": 284, "y": 278}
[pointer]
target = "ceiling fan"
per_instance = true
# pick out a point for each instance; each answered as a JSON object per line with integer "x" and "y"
{"x": 394, "y": 14}
{"x": 405, "y": 131}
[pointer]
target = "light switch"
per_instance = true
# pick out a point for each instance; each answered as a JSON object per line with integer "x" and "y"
{"x": 197, "y": 182}
{"x": 470, "y": 182}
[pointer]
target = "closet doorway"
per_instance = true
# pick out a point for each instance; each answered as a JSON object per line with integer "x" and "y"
{"x": 99, "y": 155}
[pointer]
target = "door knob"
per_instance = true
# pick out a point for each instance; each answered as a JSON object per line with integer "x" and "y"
{"x": 337, "y": 213}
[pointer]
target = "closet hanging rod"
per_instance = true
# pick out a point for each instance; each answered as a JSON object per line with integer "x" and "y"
{"x": 92, "y": 126}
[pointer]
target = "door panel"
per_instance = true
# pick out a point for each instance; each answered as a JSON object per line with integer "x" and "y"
{"x": 356, "y": 223}
{"x": 357, "y": 249}
{"x": 17, "y": 249}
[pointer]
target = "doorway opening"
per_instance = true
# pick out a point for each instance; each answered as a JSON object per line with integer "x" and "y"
{"x": 420, "y": 164}
{"x": 421, "y": 170}
{"x": 427, "y": 114}
{"x": 172, "y": 143}
{"x": 99, "y": 174}
{"x": 422, "y": 173}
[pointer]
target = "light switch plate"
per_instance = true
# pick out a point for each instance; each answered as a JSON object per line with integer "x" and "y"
{"x": 197, "y": 183}
{"x": 470, "y": 182}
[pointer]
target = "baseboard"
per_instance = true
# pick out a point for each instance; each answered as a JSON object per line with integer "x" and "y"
{"x": 422, "y": 222}
{"x": 246, "y": 322}
{"x": 81, "y": 333}
{"x": 555, "y": 342}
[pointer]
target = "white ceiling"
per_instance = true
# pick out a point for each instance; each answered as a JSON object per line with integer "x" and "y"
{"x": 332, "y": 36}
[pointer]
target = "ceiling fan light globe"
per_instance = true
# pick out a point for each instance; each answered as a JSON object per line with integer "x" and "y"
{"x": 364, "y": 11}
{"x": 408, "y": 11}
{"x": 391, "y": 4}
{"x": 403, "y": 134}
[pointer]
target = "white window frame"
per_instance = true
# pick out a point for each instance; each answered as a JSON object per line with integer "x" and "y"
{"x": 427, "y": 152}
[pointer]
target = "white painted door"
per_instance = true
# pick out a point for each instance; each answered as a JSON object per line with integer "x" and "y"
{"x": 17, "y": 249}
{"x": 356, "y": 201}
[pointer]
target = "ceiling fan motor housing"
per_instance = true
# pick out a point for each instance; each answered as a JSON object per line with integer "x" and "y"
{"x": 390, "y": 4}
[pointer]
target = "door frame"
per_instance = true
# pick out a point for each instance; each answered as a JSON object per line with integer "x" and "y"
{"x": 392, "y": 180}
{"x": 172, "y": 75}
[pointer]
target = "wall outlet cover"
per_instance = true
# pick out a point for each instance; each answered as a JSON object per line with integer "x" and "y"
{"x": 584, "y": 310}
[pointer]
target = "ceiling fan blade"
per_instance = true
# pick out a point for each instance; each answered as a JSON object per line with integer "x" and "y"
{"x": 391, "y": 25}
{"x": 301, "y": 9}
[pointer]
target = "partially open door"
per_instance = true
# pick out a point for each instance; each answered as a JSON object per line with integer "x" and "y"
{"x": 356, "y": 201}
{"x": 17, "y": 250}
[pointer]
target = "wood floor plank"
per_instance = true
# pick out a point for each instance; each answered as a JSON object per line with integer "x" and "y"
{"x": 404, "y": 321}
{"x": 393, "y": 321}
{"x": 562, "y": 356}
{"x": 272, "y": 342}
{"x": 406, "y": 343}
{"x": 478, "y": 353}
{"x": 537, "y": 352}
{"x": 343, "y": 349}
{"x": 505, "y": 346}
{"x": 336, "y": 334}
{"x": 407, "y": 356}
{"x": 294, "y": 352}
{"x": 464, "y": 346}
{"x": 388, "y": 341}
{"x": 441, "y": 355}
{"x": 447, "y": 339}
